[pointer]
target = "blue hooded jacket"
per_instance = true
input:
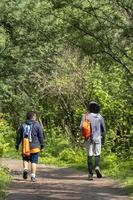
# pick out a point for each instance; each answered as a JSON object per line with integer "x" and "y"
{"x": 37, "y": 134}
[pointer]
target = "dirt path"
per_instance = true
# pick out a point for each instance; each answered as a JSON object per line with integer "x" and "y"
{"x": 55, "y": 183}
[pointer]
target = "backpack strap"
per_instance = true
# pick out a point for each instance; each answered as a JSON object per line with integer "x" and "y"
{"x": 86, "y": 116}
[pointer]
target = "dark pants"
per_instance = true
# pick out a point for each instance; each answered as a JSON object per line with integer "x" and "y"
{"x": 33, "y": 158}
{"x": 90, "y": 164}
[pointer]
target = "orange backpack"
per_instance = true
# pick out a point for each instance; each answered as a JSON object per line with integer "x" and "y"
{"x": 86, "y": 127}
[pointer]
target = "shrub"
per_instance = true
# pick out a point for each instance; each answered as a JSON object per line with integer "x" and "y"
{"x": 6, "y": 135}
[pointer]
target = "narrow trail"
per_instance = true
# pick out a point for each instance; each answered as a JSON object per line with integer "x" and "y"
{"x": 55, "y": 183}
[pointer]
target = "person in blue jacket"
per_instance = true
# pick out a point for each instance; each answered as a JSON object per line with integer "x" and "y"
{"x": 34, "y": 131}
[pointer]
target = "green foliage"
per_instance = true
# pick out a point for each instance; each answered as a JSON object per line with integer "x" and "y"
{"x": 68, "y": 155}
{"x": 55, "y": 55}
{"x": 4, "y": 181}
{"x": 7, "y": 135}
{"x": 119, "y": 169}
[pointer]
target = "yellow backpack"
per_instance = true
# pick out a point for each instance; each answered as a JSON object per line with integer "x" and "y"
{"x": 25, "y": 147}
{"x": 27, "y": 129}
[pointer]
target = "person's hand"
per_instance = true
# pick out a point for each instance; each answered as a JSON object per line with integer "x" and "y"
{"x": 103, "y": 140}
{"x": 42, "y": 148}
{"x": 16, "y": 147}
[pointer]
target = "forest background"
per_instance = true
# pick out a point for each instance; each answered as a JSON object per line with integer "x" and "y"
{"x": 54, "y": 56}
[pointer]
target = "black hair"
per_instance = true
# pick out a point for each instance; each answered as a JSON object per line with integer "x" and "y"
{"x": 30, "y": 115}
{"x": 93, "y": 107}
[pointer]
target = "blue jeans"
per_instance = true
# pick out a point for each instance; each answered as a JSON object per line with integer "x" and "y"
{"x": 90, "y": 164}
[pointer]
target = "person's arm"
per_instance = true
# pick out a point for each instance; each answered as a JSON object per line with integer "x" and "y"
{"x": 103, "y": 130}
{"x": 41, "y": 136}
{"x": 19, "y": 137}
{"x": 103, "y": 127}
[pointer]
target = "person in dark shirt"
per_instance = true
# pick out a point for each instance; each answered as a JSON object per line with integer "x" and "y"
{"x": 32, "y": 130}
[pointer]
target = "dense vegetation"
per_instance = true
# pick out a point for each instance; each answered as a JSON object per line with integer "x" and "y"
{"x": 4, "y": 181}
{"x": 55, "y": 55}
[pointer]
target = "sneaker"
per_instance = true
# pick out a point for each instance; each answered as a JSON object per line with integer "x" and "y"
{"x": 33, "y": 179}
{"x": 25, "y": 174}
{"x": 98, "y": 173}
{"x": 90, "y": 177}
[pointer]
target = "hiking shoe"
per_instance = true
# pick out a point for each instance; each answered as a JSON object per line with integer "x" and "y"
{"x": 90, "y": 177}
{"x": 25, "y": 174}
{"x": 98, "y": 173}
{"x": 33, "y": 179}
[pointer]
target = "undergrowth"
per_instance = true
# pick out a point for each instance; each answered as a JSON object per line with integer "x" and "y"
{"x": 5, "y": 179}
